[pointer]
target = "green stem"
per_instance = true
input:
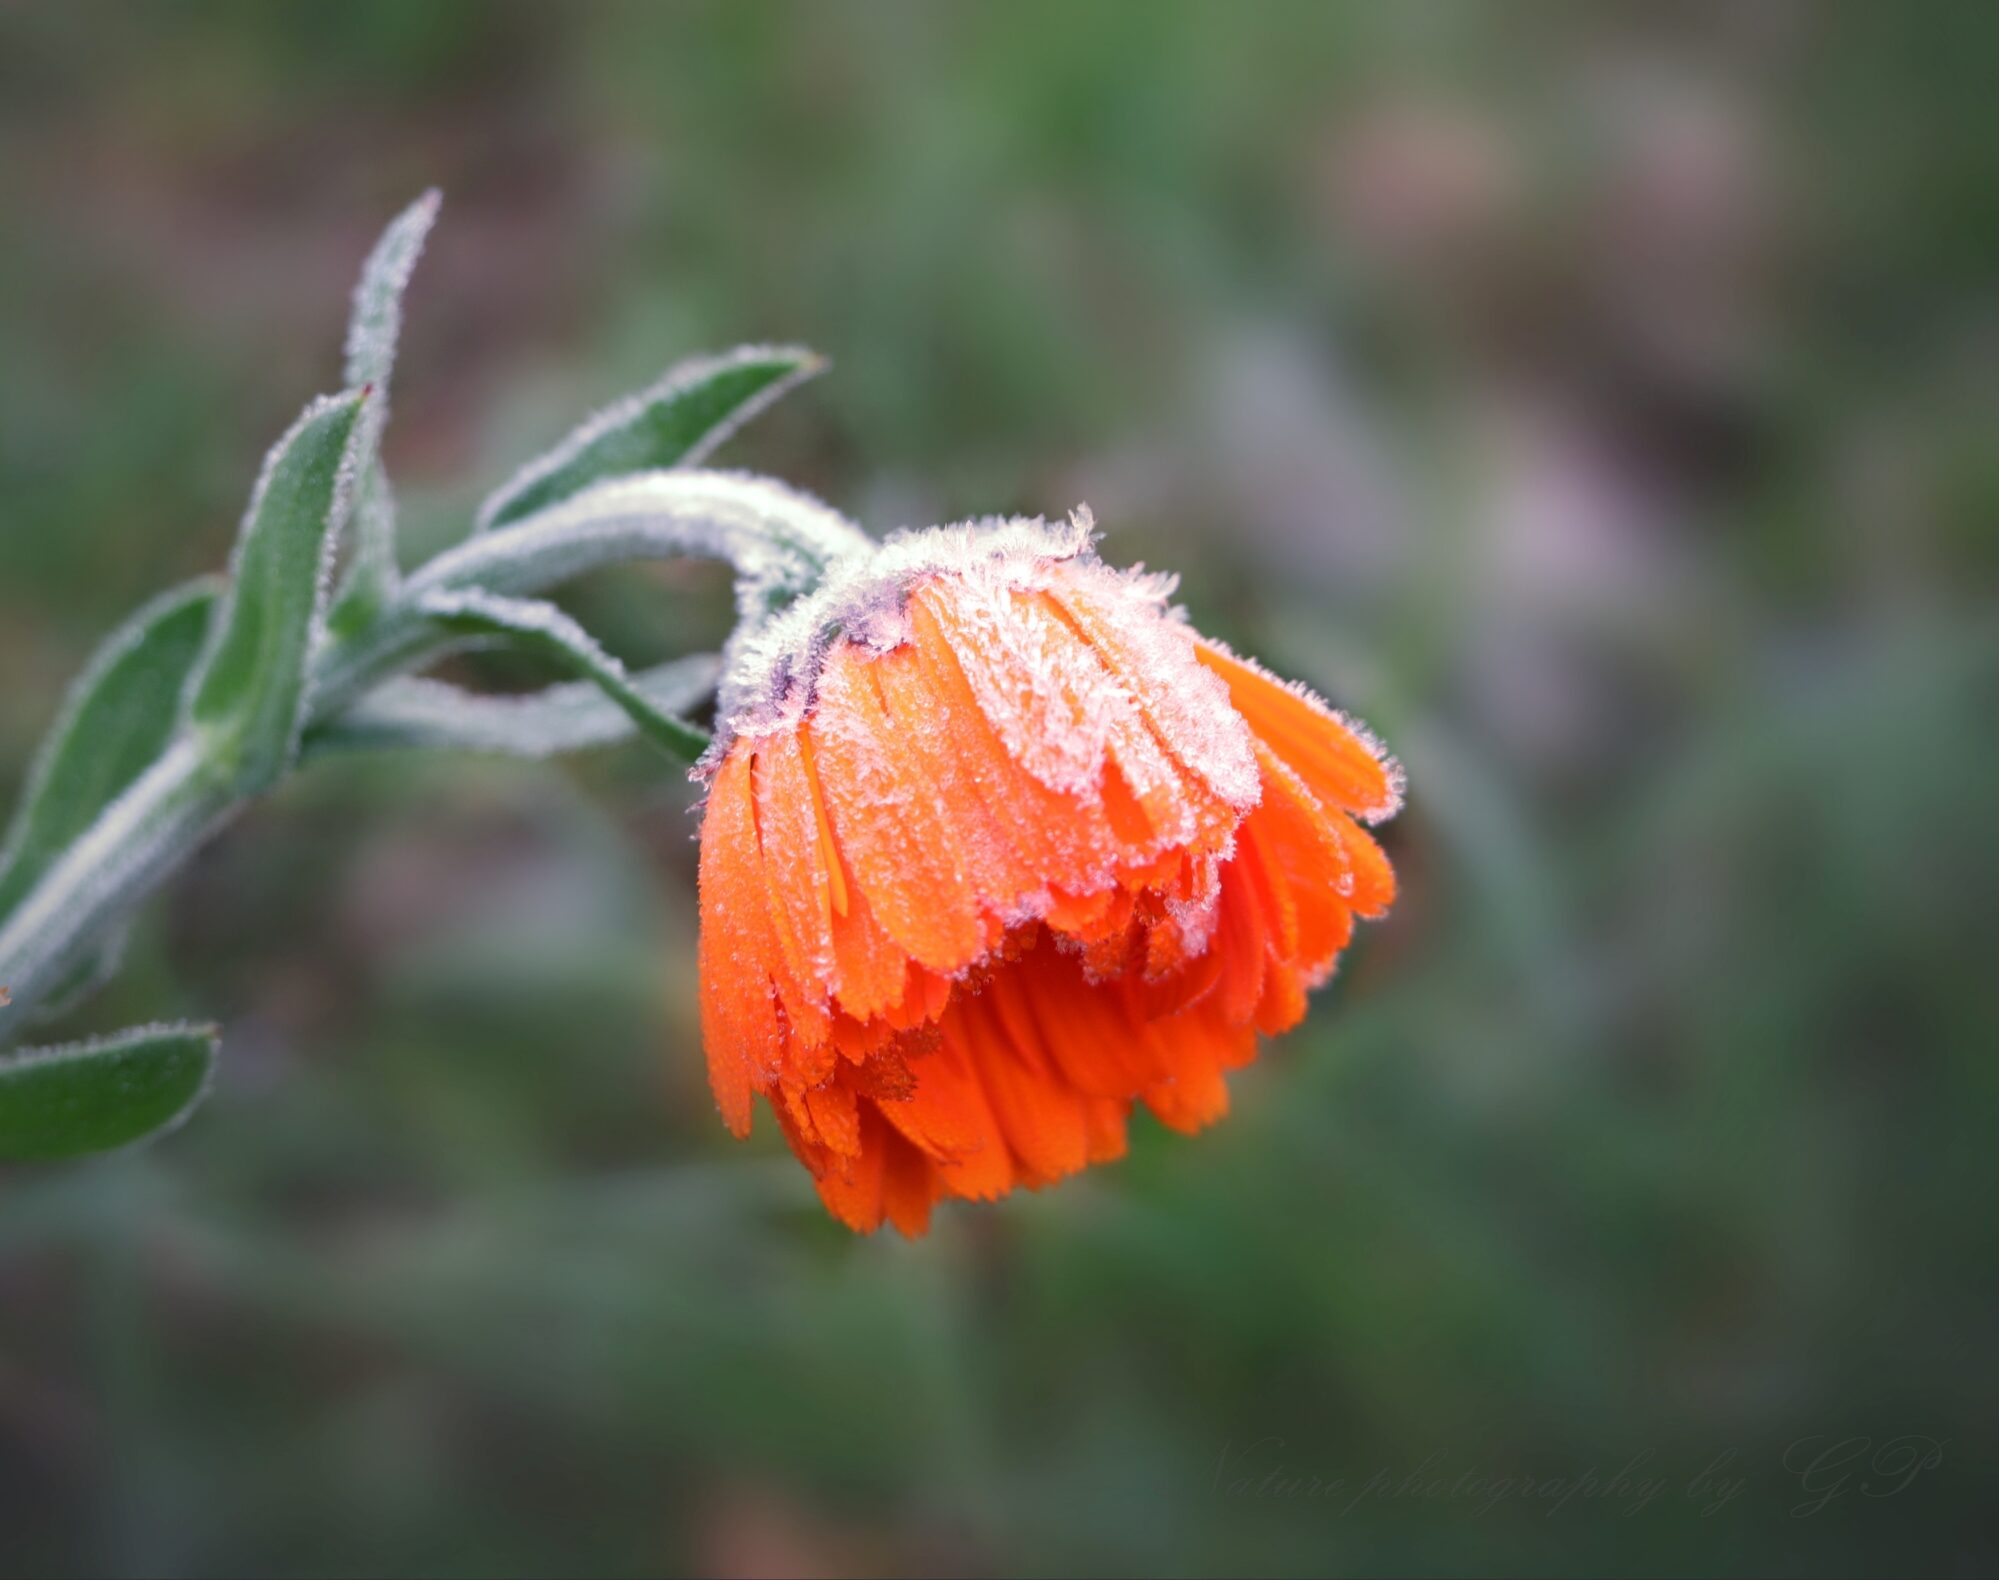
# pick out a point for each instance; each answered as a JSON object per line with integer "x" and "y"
{"x": 141, "y": 838}
{"x": 778, "y": 540}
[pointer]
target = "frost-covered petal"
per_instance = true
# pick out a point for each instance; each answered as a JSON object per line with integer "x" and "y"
{"x": 1024, "y": 852}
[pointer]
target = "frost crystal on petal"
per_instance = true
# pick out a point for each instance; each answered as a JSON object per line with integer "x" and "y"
{"x": 774, "y": 669}
{"x": 1128, "y": 616}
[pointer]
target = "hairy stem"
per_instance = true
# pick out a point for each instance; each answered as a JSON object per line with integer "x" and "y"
{"x": 141, "y": 839}
{"x": 781, "y": 543}
{"x": 778, "y": 540}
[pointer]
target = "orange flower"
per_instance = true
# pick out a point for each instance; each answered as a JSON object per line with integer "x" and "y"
{"x": 995, "y": 847}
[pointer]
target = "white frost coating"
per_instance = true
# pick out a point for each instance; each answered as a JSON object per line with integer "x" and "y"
{"x": 70, "y": 1052}
{"x": 779, "y": 540}
{"x": 111, "y": 652}
{"x": 1060, "y": 710}
{"x": 1189, "y": 704}
{"x": 376, "y": 322}
{"x": 87, "y": 973}
{"x": 374, "y": 327}
{"x": 676, "y": 381}
{"x": 132, "y": 1036}
{"x": 485, "y": 613}
{"x": 524, "y": 615}
{"x": 772, "y": 672}
{"x": 1196, "y": 916}
{"x": 776, "y": 537}
{"x": 573, "y": 716}
{"x": 344, "y": 480}
{"x": 1051, "y": 702}
{"x": 140, "y": 837}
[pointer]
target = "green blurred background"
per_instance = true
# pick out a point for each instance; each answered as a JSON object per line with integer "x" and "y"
{"x": 1597, "y": 398}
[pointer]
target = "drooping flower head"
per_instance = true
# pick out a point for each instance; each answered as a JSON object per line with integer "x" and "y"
{"x": 995, "y": 847}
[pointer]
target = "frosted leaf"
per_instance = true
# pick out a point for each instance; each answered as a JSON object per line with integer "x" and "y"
{"x": 117, "y": 718}
{"x": 136, "y": 841}
{"x": 545, "y": 628}
{"x": 679, "y": 421}
{"x": 779, "y": 539}
{"x": 85, "y": 1097}
{"x": 250, "y": 693}
{"x": 90, "y": 972}
{"x": 376, "y": 323}
{"x": 573, "y": 716}
{"x": 373, "y": 330}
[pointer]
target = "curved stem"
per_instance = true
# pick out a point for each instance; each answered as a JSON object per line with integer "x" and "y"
{"x": 141, "y": 838}
{"x": 781, "y": 542}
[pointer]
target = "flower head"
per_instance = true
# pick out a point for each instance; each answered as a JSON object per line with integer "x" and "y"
{"x": 995, "y": 847}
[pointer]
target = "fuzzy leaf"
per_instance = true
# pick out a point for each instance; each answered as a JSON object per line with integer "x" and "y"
{"x": 678, "y": 421}
{"x": 90, "y": 970}
{"x": 574, "y": 716}
{"x": 779, "y": 540}
{"x": 373, "y": 573}
{"x": 541, "y": 627}
{"x": 92, "y": 1096}
{"x": 376, "y": 323}
{"x": 372, "y": 333}
{"x": 250, "y": 698}
{"x": 119, "y": 717}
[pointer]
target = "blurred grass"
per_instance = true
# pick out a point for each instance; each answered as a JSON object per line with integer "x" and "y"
{"x": 1596, "y": 399}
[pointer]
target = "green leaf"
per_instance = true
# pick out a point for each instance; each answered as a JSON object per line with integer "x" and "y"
{"x": 89, "y": 971}
{"x": 372, "y": 574}
{"x": 376, "y": 323}
{"x": 575, "y": 716}
{"x": 92, "y": 1096}
{"x": 250, "y": 696}
{"x": 678, "y": 421}
{"x": 372, "y": 333}
{"x": 119, "y": 717}
{"x": 541, "y": 627}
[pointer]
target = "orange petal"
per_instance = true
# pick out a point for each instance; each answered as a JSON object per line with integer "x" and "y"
{"x": 797, "y": 871}
{"x": 999, "y": 862}
{"x": 1197, "y": 1047}
{"x": 1373, "y": 878}
{"x": 1172, "y": 993}
{"x": 1241, "y": 940}
{"x": 852, "y": 1191}
{"x": 910, "y": 1185}
{"x": 836, "y": 1116}
{"x": 1064, "y": 833}
{"x": 739, "y": 1018}
{"x": 1342, "y": 768}
{"x": 1104, "y": 1119}
{"x": 1299, "y": 835}
{"x": 1043, "y": 1121}
{"x": 1155, "y": 657}
{"x": 949, "y": 1118}
{"x": 888, "y": 824}
{"x": 1086, "y": 1028}
{"x": 1283, "y": 1003}
{"x": 868, "y": 968}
